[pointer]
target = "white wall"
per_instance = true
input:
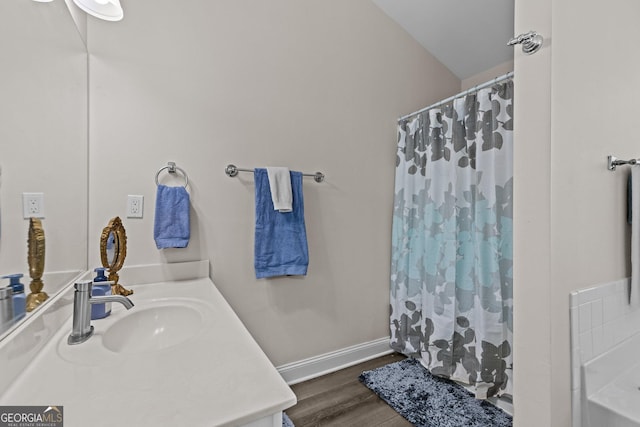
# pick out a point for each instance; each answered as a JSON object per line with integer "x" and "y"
{"x": 575, "y": 106}
{"x": 532, "y": 228}
{"x": 79, "y": 18}
{"x": 594, "y": 114}
{"x": 43, "y": 134}
{"x": 486, "y": 75}
{"x": 308, "y": 85}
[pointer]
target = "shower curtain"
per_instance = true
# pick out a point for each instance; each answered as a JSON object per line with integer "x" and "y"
{"x": 452, "y": 244}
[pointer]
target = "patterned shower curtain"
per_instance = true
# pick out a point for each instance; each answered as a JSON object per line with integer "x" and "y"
{"x": 452, "y": 244}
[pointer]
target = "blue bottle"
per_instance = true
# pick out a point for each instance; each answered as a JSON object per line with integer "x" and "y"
{"x": 100, "y": 311}
{"x": 18, "y": 296}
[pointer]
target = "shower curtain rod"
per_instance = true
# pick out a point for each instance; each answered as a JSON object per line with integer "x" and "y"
{"x": 461, "y": 94}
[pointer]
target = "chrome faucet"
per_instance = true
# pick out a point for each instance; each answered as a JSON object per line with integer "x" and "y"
{"x": 82, "y": 300}
{"x": 6, "y": 309}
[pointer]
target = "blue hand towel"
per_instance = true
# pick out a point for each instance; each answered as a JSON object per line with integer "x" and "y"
{"x": 280, "y": 237}
{"x": 171, "y": 228}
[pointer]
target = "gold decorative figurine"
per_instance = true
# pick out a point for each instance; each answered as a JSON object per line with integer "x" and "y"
{"x": 113, "y": 250}
{"x": 35, "y": 258}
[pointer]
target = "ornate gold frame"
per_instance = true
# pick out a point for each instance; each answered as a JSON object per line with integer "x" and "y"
{"x": 35, "y": 258}
{"x": 120, "y": 252}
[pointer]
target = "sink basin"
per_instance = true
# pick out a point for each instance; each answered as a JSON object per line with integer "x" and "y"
{"x": 154, "y": 328}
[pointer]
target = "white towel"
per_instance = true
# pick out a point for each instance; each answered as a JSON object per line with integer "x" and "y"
{"x": 634, "y": 292}
{"x": 280, "y": 186}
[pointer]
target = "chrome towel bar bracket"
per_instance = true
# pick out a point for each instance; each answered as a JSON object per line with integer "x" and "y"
{"x": 613, "y": 162}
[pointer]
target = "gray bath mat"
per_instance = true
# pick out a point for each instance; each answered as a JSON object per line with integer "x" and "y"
{"x": 286, "y": 421}
{"x": 429, "y": 401}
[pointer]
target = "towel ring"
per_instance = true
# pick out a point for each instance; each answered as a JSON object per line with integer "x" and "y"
{"x": 171, "y": 166}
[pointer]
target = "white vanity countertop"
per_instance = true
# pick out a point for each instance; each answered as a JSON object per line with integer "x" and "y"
{"x": 219, "y": 376}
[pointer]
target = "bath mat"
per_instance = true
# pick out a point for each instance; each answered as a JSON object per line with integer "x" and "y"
{"x": 429, "y": 401}
{"x": 286, "y": 421}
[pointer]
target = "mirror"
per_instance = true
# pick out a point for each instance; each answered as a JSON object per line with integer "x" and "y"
{"x": 43, "y": 140}
{"x": 113, "y": 250}
{"x": 36, "y": 245}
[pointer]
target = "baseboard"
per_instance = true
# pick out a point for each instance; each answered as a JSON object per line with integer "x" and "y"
{"x": 323, "y": 364}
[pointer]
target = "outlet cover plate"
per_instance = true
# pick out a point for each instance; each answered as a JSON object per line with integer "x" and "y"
{"x": 135, "y": 206}
{"x": 33, "y": 205}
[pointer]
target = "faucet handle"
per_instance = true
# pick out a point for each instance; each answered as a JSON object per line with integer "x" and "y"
{"x": 83, "y": 285}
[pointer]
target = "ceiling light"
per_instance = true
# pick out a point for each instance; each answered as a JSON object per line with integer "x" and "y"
{"x": 109, "y": 10}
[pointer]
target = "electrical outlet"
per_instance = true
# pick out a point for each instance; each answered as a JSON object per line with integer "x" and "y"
{"x": 135, "y": 206}
{"x": 33, "y": 205}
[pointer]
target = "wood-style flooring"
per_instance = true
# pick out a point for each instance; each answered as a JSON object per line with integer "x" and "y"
{"x": 340, "y": 399}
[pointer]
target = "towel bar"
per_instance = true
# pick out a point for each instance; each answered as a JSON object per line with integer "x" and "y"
{"x": 232, "y": 170}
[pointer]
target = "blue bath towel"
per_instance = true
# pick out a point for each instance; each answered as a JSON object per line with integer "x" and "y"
{"x": 280, "y": 237}
{"x": 171, "y": 228}
{"x": 629, "y": 201}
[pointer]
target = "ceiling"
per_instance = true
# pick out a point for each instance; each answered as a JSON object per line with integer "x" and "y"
{"x": 467, "y": 36}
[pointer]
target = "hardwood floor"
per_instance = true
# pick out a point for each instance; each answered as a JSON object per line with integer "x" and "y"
{"x": 339, "y": 399}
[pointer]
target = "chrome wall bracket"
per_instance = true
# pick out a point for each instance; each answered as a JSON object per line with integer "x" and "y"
{"x": 613, "y": 162}
{"x": 231, "y": 170}
{"x": 531, "y": 42}
{"x": 172, "y": 169}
